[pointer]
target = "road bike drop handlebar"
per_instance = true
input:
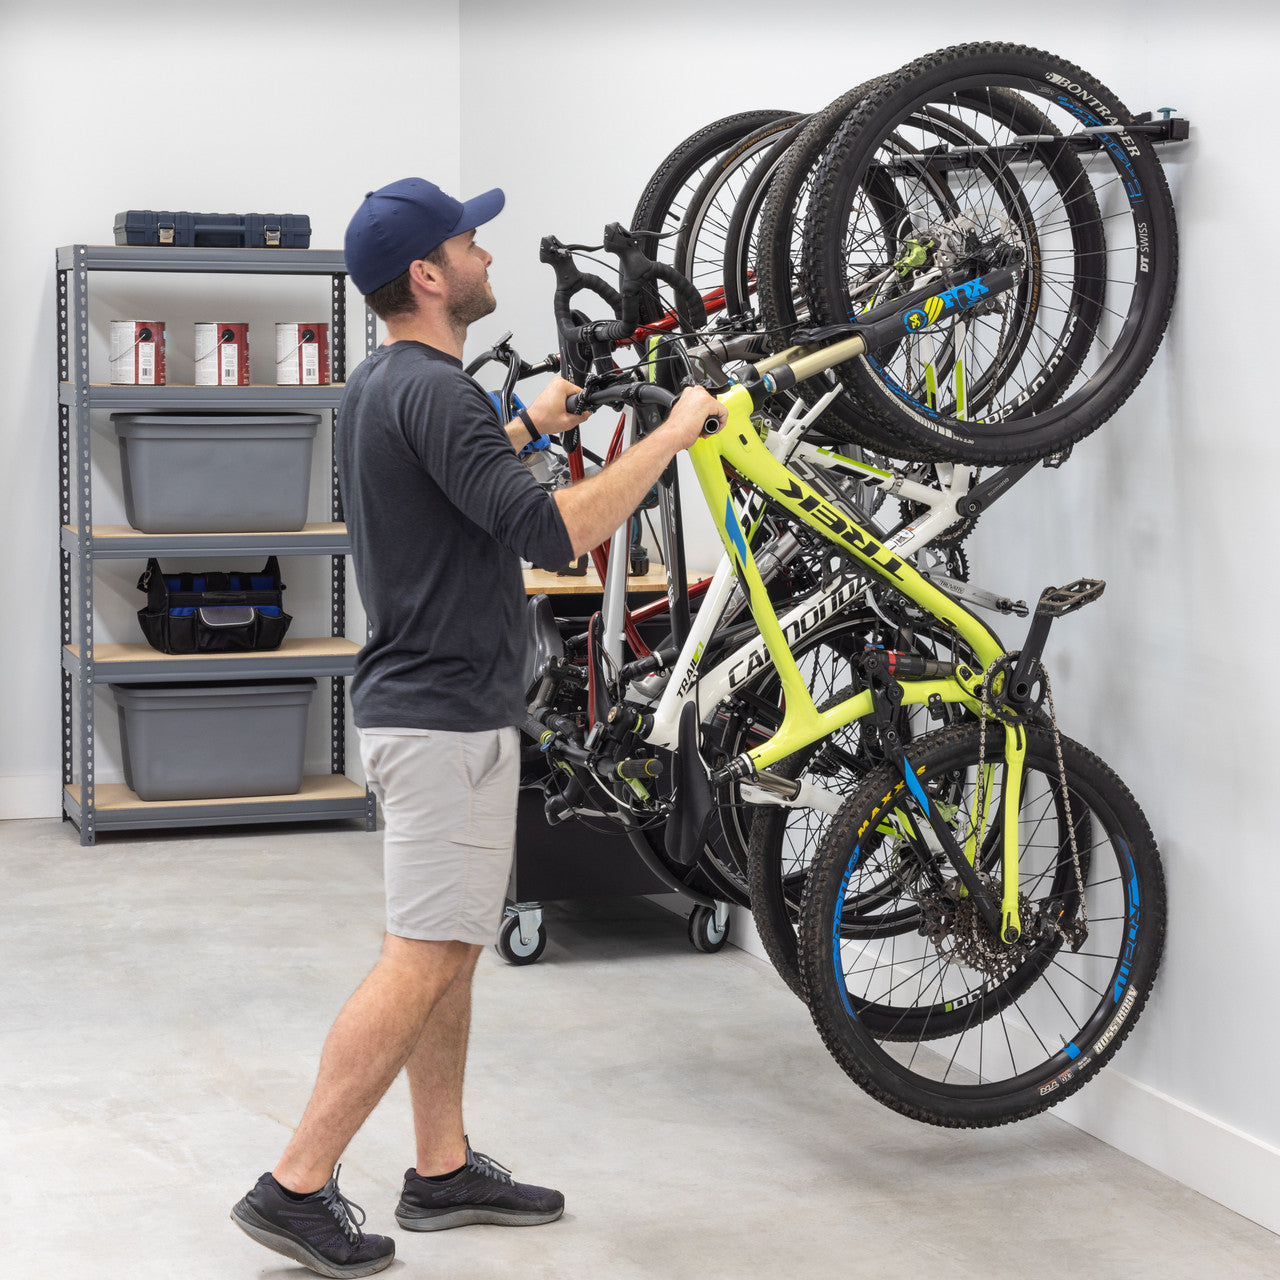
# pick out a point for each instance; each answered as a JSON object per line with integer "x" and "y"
{"x": 517, "y": 369}
{"x": 585, "y": 342}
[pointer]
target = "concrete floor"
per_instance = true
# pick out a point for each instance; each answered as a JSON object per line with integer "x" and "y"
{"x": 162, "y": 1008}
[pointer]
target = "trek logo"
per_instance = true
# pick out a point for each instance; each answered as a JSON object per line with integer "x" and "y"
{"x": 963, "y": 295}
{"x": 857, "y": 540}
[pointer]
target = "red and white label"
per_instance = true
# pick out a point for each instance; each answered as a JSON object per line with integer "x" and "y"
{"x": 302, "y": 355}
{"x": 137, "y": 353}
{"x": 222, "y": 354}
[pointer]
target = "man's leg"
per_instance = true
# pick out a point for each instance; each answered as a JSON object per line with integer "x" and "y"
{"x": 435, "y": 1069}
{"x": 370, "y": 1041}
{"x": 451, "y": 1185}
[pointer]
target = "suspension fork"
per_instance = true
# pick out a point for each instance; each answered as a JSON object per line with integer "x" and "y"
{"x": 1003, "y": 921}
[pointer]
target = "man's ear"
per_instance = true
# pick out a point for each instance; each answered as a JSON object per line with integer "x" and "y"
{"x": 426, "y": 275}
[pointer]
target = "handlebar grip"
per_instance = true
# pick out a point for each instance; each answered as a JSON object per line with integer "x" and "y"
{"x": 534, "y": 728}
{"x": 626, "y": 393}
{"x": 639, "y": 767}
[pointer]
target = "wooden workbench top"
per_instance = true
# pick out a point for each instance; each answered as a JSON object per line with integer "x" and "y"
{"x": 540, "y": 582}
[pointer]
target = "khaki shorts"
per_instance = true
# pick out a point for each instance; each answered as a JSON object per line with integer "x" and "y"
{"x": 449, "y": 805}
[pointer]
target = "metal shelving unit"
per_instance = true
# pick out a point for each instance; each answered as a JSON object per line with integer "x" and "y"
{"x": 85, "y": 663}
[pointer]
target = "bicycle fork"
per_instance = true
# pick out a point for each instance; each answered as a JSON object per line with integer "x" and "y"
{"x": 886, "y": 697}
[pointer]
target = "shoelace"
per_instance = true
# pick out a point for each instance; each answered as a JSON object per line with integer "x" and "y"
{"x": 488, "y": 1166}
{"x": 350, "y": 1217}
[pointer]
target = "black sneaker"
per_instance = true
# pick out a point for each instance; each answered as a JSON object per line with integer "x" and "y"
{"x": 481, "y": 1191}
{"x": 321, "y": 1231}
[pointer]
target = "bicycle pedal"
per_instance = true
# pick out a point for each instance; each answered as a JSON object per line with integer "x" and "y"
{"x": 1055, "y": 602}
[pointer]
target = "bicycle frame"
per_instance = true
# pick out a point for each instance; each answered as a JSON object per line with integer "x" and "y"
{"x": 738, "y": 445}
{"x": 710, "y": 687}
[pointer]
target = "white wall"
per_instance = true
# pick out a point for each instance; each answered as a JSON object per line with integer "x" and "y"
{"x": 107, "y": 108}
{"x": 571, "y": 117}
{"x": 229, "y": 107}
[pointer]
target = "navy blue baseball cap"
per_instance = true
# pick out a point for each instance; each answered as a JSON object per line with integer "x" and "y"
{"x": 404, "y": 221}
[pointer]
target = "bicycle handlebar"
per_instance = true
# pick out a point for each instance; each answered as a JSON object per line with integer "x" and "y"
{"x": 638, "y": 269}
{"x": 581, "y": 338}
{"x": 632, "y": 393}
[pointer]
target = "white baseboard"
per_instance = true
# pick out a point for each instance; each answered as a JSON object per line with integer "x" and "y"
{"x": 1213, "y": 1158}
{"x": 36, "y": 795}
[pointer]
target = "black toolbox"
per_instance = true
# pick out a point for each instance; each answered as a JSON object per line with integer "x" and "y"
{"x": 214, "y": 230}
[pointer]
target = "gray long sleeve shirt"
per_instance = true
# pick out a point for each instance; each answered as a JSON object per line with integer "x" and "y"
{"x": 441, "y": 511}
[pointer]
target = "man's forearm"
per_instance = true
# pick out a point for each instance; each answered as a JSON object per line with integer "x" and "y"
{"x": 594, "y": 509}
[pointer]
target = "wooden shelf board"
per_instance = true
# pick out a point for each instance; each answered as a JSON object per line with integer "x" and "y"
{"x": 320, "y": 647}
{"x": 106, "y": 532}
{"x": 315, "y": 787}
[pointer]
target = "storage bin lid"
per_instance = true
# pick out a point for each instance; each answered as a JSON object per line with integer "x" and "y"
{"x": 194, "y": 694}
{"x": 214, "y": 425}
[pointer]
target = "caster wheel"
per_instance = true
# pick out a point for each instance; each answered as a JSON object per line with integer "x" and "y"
{"x": 704, "y": 933}
{"x": 513, "y": 949}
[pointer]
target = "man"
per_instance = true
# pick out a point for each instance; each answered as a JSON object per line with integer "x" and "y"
{"x": 441, "y": 512}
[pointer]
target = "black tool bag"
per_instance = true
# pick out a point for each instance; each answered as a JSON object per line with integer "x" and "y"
{"x": 213, "y": 612}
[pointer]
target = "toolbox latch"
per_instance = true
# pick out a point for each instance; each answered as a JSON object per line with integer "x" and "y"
{"x": 272, "y": 236}
{"x": 165, "y": 231}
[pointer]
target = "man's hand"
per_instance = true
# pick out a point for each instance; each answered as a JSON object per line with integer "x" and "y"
{"x": 690, "y": 412}
{"x": 548, "y": 410}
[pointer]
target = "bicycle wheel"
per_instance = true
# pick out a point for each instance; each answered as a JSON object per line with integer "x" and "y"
{"x": 774, "y": 261}
{"x": 700, "y": 248}
{"x": 665, "y": 200}
{"x": 988, "y": 153}
{"x": 742, "y": 239}
{"x": 783, "y": 842}
{"x": 943, "y": 1022}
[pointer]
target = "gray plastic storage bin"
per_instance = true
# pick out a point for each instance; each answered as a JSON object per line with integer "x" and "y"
{"x": 216, "y": 472}
{"x": 209, "y": 741}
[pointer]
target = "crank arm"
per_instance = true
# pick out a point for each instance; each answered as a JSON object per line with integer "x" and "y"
{"x": 976, "y": 595}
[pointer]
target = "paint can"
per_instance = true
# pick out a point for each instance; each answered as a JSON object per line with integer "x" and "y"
{"x": 137, "y": 353}
{"x": 302, "y": 355}
{"x": 222, "y": 354}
